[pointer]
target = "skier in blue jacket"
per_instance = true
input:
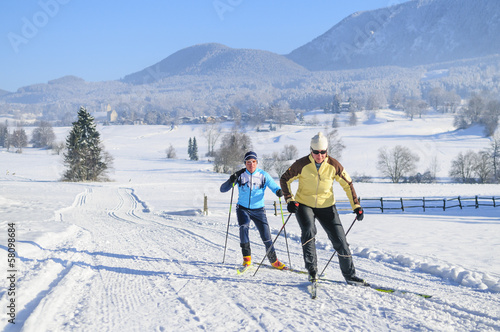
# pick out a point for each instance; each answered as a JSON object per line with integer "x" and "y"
{"x": 252, "y": 183}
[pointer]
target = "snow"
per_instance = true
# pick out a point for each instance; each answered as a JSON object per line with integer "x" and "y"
{"x": 138, "y": 254}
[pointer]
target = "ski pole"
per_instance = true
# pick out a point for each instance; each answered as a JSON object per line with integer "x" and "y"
{"x": 284, "y": 230}
{"x": 355, "y": 218}
{"x": 228, "y": 218}
{"x": 272, "y": 245}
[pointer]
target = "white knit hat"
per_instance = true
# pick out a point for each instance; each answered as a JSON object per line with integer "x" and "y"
{"x": 319, "y": 142}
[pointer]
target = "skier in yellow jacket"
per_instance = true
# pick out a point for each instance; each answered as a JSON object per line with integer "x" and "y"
{"x": 314, "y": 199}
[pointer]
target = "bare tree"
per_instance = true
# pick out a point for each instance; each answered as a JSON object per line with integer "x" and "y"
{"x": 434, "y": 168}
{"x": 490, "y": 117}
{"x": 462, "y": 167}
{"x": 19, "y": 139}
{"x": 57, "y": 147}
{"x": 290, "y": 152}
{"x": 494, "y": 152}
{"x": 212, "y": 133}
{"x": 235, "y": 113}
{"x": 337, "y": 100}
{"x": 279, "y": 162}
{"x": 436, "y": 97}
{"x": 353, "y": 118}
{"x": 335, "y": 144}
{"x": 414, "y": 107}
{"x": 171, "y": 154}
{"x": 483, "y": 167}
{"x": 471, "y": 113}
{"x": 397, "y": 162}
{"x": 230, "y": 155}
{"x": 266, "y": 162}
{"x": 452, "y": 100}
{"x": 43, "y": 136}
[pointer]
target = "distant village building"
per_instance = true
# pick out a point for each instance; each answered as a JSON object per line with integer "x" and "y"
{"x": 345, "y": 106}
{"x": 112, "y": 116}
{"x": 108, "y": 115}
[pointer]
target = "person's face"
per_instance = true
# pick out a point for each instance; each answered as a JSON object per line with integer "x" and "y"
{"x": 318, "y": 155}
{"x": 251, "y": 165}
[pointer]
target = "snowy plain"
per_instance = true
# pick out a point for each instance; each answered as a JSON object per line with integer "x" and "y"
{"x": 137, "y": 254}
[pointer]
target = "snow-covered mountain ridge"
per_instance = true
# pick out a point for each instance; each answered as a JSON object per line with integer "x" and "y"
{"x": 399, "y": 48}
{"x": 216, "y": 59}
{"x": 413, "y": 33}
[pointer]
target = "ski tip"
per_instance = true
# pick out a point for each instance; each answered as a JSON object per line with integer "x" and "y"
{"x": 241, "y": 270}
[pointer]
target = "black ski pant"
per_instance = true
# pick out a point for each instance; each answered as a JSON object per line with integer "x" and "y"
{"x": 330, "y": 221}
{"x": 260, "y": 220}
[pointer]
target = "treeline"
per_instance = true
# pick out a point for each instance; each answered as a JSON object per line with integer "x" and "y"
{"x": 483, "y": 109}
{"x": 229, "y": 157}
{"x": 440, "y": 86}
{"x": 42, "y": 137}
{"x": 399, "y": 165}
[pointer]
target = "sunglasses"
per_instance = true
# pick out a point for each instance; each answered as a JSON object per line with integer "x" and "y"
{"x": 318, "y": 152}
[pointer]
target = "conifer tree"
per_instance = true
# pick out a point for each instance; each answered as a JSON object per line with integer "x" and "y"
{"x": 190, "y": 148}
{"x": 194, "y": 151}
{"x": 85, "y": 159}
{"x": 4, "y": 134}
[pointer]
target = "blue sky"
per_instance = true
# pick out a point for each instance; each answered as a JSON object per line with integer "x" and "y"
{"x": 41, "y": 40}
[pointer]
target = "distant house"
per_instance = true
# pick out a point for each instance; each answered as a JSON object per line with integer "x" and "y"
{"x": 108, "y": 115}
{"x": 112, "y": 116}
{"x": 345, "y": 106}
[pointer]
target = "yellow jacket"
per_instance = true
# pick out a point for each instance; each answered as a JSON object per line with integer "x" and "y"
{"x": 316, "y": 186}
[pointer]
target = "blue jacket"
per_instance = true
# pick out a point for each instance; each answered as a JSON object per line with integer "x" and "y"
{"x": 251, "y": 188}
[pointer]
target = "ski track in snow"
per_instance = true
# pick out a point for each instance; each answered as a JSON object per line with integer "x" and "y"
{"x": 122, "y": 268}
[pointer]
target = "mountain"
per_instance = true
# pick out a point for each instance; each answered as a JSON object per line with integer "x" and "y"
{"x": 216, "y": 59}
{"x": 404, "y": 50}
{"x": 409, "y": 34}
{"x": 3, "y": 92}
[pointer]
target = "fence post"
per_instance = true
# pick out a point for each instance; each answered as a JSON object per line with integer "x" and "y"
{"x": 460, "y": 202}
{"x": 402, "y": 205}
{"x": 477, "y": 203}
{"x": 275, "y": 209}
{"x": 205, "y": 204}
{"x": 444, "y": 204}
{"x": 494, "y": 204}
{"x": 423, "y": 202}
{"x": 382, "y": 204}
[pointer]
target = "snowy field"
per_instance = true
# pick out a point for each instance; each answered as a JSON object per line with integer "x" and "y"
{"x": 137, "y": 254}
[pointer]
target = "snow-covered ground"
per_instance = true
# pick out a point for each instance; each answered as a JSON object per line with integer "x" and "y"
{"x": 137, "y": 254}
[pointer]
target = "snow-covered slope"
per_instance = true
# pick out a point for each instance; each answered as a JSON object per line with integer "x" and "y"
{"x": 413, "y": 33}
{"x": 137, "y": 254}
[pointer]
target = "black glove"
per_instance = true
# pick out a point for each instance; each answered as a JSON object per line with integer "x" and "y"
{"x": 279, "y": 193}
{"x": 292, "y": 207}
{"x": 236, "y": 175}
{"x": 359, "y": 213}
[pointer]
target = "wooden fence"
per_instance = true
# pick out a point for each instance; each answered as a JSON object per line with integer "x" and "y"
{"x": 404, "y": 204}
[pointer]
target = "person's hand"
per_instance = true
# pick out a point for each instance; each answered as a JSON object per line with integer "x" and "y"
{"x": 292, "y": 207}
{"x": 359, "y": 213}
{"x": 279, "y": 193}
{"x": 236, "y": 175}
